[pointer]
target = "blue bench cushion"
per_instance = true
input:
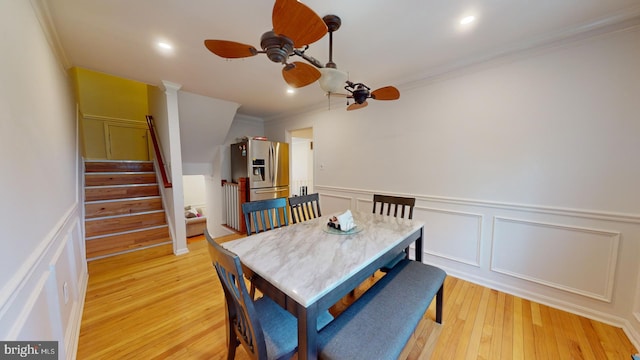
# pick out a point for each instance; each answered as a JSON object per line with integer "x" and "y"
{"x": 394, "y": 262}
{"x": 280, "y": 328}
{"x": 379, "y": 324}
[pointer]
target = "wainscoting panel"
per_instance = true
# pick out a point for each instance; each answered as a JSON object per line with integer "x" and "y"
{"x": 47, "y": 302}
{"x": 579, "y": 260}
{"x": 451, "y": 235}
{"x": 334, "y": 203}
{"x": 574, "y": 259}
{"x": 364, "y": 204}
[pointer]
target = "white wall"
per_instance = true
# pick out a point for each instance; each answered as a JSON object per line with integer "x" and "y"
{"x": 194, "y": 190}
{"x": 42, "y": 246}
{"x": 204, "y": 124}
{"x": 525, "y": 171}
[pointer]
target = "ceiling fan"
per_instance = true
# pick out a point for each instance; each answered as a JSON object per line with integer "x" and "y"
{"x": 361, "y": 92}
{"x": 295, "y": 26}
{"x": 332, "y": 78}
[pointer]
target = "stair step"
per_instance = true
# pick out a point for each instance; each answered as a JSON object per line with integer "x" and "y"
{"x": 120, "y": 192}
{"x": 116, "y": 178}
{"x": 116, "y": 224}
{"x": 95, "y": 209}
{"x": 115, "y": 244}
{"x": 123, "y": 208}
{"x": 91, "y": 166}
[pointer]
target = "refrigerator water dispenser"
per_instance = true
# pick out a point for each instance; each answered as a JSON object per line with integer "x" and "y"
{"x": 258, "y": 170}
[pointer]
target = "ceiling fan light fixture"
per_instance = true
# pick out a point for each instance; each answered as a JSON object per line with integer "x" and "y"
{"x": 332, "y": 80}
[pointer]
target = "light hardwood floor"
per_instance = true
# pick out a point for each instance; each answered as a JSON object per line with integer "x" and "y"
{"x": 153, "y": 305}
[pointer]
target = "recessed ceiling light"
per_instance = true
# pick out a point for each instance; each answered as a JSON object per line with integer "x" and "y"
{"x": 164, "y": 45}
{"x": 467, "y": 20}
{"x": 290, "y": 91}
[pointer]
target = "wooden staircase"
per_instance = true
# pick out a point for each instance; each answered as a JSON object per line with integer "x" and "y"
{"x": 123, "y": 208}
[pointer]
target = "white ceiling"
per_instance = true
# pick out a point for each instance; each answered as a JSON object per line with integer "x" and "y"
{"x": 380, "y": 42}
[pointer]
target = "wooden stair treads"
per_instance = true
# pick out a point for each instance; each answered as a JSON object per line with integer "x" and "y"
{"x": 113, "y": 166}
{"x": 122, "y": 207}
{"x": 125, "y": 242}
{"x": 120, "y": 192}
{"x": 115, "y": 178}
{"x": 116, "y": 224}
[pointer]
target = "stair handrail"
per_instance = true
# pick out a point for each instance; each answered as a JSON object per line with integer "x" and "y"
{"x": 156, "y": 147}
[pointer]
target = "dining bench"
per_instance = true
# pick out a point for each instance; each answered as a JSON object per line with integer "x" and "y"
{"x": 379, "y": 324}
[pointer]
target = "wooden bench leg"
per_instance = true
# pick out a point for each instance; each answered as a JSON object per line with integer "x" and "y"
{"x": 439, "y": 303}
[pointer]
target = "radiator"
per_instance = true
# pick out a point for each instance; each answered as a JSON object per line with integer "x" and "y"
{"x": 232, "y": 204}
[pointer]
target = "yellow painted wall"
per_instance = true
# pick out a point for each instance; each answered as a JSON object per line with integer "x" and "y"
{"x": 113, "y": 113}
{"x": 109, "y": 96}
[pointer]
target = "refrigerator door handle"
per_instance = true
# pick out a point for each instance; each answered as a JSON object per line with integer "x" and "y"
{"x": 273, "y": 162}
{"x": 270, "y": 191}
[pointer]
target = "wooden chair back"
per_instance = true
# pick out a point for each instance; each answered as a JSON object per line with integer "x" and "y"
{"x": 263, "y": 215}
{"x": 243, "y": 324}
{"x": 304, "y": 207}
{"x": 393, "y": 205}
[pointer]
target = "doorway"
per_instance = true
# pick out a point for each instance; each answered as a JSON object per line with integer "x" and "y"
{"x": 302, "y": 161}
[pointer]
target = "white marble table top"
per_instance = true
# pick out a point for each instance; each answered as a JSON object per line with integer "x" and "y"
{"x": 305, "y": 262}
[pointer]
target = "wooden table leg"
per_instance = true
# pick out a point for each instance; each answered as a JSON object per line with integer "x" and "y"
{"x": 307, "y": 332}
{"x": 419, "y": 246}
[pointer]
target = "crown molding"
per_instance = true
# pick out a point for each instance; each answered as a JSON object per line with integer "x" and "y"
{"x": 627, "y": 20}
{"x": 43, "y": 14}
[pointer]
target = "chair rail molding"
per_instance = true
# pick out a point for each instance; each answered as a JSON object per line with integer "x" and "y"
{"x": 631, "y": 218}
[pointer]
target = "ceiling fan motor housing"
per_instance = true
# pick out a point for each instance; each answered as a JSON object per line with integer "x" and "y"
{"x": 277, "y": 47}
{"x": 360, "y": 95}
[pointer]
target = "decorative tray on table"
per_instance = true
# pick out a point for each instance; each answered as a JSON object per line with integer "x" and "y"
{"x": 333, "y": 226}
{"x": 335, "y": 231}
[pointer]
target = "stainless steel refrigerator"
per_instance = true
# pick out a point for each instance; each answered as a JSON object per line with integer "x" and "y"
{"x": 266, "y": 164}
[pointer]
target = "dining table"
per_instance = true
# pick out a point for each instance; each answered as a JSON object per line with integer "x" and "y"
{"x": 307, "y": 267}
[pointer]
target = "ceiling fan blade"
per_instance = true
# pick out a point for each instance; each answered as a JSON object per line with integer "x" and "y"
{"x": 356, "y": 106}
{"x": 298, "y": 22}
{"x": 386, "y": 93}
{"x": 230, "y": 49}
{"x": 301, "y": 75}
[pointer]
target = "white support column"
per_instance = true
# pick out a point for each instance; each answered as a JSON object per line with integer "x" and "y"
{"x": 175, "y": 168}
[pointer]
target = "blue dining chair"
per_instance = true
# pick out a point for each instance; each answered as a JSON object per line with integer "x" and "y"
{"x": 263, "y": 215}
{"x": 264, "y": 328}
